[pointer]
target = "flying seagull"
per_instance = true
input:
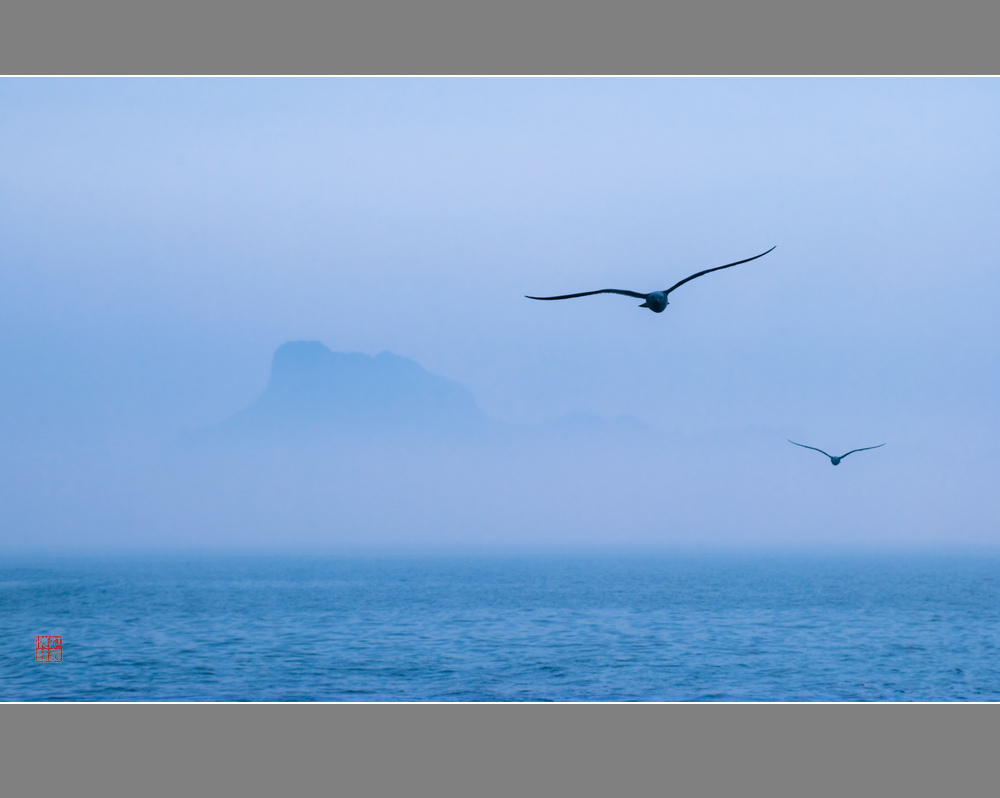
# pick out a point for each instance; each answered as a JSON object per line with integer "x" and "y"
{"x": 835, "y": 460}
{"x": 657, "y": 300}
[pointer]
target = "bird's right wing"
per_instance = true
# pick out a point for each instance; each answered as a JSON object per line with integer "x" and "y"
{"x": 588, "y": 293}
{"x": 862, "y": 450}
{"x": 675, "y": 286}
{"x": 808, "y": 447}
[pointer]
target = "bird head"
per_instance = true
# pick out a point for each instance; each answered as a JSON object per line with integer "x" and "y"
{"x": 835, "y": 460}
{"x": 655, "y": 301}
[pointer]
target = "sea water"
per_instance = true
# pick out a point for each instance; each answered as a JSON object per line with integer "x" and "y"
{"x": 651, "y": 627}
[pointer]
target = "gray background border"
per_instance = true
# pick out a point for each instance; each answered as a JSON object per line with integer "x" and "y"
{"x": 448, "y": 37}
{"x": 500, "y": 750}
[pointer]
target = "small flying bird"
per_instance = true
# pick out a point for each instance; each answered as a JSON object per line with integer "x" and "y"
{"x": 657, "y": 300}
{"x": 835, "y": 460}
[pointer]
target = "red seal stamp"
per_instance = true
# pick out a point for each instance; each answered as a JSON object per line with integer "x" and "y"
{"x": 48, "y": 648}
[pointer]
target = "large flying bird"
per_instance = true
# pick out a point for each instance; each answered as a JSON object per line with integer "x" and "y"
{"x": 835, "y": 460}
{"x": 657, "y": 300}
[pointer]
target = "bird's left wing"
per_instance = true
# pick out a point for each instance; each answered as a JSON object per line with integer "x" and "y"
{"x": 809, "y": 447}
{"x": 588, "y": 293}
{"x": 699, "y": 274}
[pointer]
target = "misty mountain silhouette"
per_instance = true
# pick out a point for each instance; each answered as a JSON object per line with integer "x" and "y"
{"x": 315, "y": 394}
{"x": 313, "y": 389}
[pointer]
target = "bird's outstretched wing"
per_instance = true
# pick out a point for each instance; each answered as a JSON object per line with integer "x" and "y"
{"x": 808, "y": 447}
{"x": 588, "y": 293}
{"x": 699, "y": 274}
{"x": 865, "y": 449}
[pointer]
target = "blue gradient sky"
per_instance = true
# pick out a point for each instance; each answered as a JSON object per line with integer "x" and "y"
{"x": 161, "y": 238}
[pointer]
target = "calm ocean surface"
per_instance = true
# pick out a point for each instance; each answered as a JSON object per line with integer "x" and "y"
{"x": 533, "y": 628}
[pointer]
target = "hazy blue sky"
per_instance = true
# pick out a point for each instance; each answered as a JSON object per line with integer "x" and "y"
{"x": 161, "y": 238}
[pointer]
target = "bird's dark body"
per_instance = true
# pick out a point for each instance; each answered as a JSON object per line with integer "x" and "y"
{"x": 656, "y": 302}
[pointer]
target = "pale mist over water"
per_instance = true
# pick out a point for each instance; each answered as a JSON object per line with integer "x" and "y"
{"x": 289, "y": 315}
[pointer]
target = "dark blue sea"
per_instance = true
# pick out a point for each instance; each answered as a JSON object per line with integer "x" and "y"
{"x": 655, "y": 627}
